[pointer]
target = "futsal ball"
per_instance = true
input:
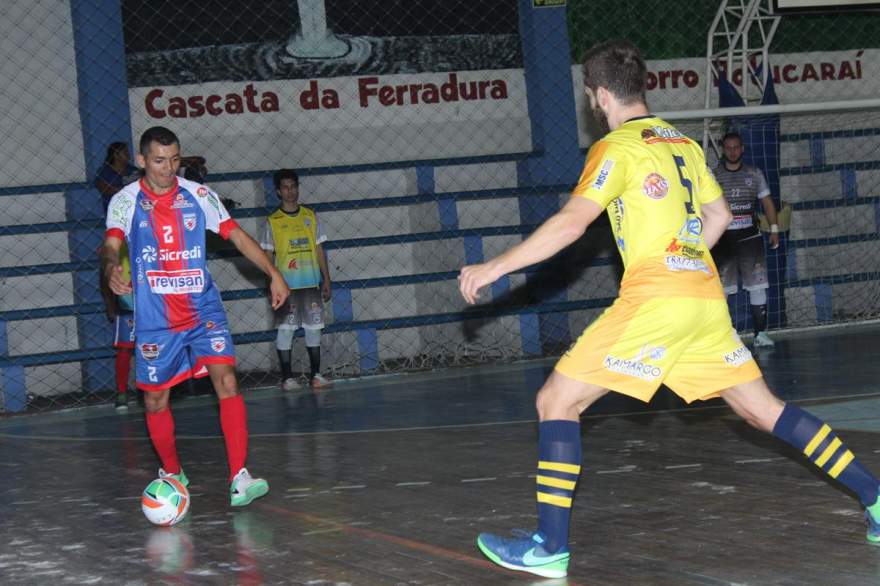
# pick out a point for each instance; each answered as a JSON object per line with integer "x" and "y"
{"x": 165, "y": 501}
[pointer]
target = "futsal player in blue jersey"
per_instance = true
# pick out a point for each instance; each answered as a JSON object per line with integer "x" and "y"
{"x": 181, "y": 326}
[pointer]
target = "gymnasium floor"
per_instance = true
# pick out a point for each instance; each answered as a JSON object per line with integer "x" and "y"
{"x": 388, "y": 480}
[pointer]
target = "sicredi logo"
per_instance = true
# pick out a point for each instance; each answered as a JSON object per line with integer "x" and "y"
{"x": 176, "y": 282}
{"x": 149, "y": 254}
{"x": 172, "y": 255}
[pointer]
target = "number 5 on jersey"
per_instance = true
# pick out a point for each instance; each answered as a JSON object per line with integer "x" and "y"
{"x": 689, "y": 204}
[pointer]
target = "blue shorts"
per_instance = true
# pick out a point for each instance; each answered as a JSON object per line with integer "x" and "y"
{"x": 164, "y": 358}
{"x": 124, "y": 336}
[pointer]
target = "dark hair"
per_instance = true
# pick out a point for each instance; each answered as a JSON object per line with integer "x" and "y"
{"x": 616, "y": 65}
{"x": 113, "y": 148}
{"x": 732, "y": 134}
{"x": 282, "y": 174}
{"x": 158, "y": 134}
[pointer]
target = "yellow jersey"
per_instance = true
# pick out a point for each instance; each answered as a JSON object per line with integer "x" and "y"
{"x": 294, "y": 238}
{"x": 652, "y": 180}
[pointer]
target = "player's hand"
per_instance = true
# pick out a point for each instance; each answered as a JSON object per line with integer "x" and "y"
{"x": 774, "y": 240}
{"x": 325, "y": 290}
{"x": 475, "y": 277}
{"x": 278, "y": 291}
{"x": 116, "y": 282}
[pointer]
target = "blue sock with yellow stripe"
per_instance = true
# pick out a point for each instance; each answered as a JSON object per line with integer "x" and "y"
{"x": 559, "y": 465}
{"x": 822, "y": 446}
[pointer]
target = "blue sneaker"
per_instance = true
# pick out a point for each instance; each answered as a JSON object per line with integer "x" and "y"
{"x": 872, "y": 514}
{"x": 525, "y": 554}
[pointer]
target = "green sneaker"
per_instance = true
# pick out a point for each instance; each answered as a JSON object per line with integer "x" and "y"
{"x": 179, "y": 477}
{"x": 872, "y": 515}
{"x": 244, "y": 488}
{"x": 525, "y": 554}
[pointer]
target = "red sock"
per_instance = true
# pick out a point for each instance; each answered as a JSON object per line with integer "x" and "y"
{"x": 123, "y": 360}
{"x": 233, "y": 421}
{"x": 161, "y": 428}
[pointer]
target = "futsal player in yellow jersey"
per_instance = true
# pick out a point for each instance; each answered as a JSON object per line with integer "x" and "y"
{"x": 670, "y": 323}
{"x": 293, "y": 234}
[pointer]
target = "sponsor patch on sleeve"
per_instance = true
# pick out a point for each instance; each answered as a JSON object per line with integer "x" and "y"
{"x": 604, "y": 172}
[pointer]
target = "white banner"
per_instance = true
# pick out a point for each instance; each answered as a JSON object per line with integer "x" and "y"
{"x": 680, "y": 84}
{"x": 247, "y": 126}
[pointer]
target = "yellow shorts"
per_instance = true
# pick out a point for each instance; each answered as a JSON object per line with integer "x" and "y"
{"x": 686, "y": 343}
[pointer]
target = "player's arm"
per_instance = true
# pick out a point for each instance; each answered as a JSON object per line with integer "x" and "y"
{"x": 772, "y": 218}
{"x": 109, "y": 299}
{"x": 602, "y": 179}
{"x": 560, "y": 230}
{"x": 253, "y": 252}
{"x": 716, "y": 218}
{"x": 325, "y": 271}
{"x": 111, "y": 269}
{"x": 321, "y": 255}
{"x": 769, "y": 208}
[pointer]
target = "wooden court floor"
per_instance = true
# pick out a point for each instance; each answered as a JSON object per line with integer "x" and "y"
{"x": 388, "y": 481}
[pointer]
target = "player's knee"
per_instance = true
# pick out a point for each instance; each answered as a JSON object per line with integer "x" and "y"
{"x": 541, "y": 404}
{"x": 284, "y": 339}
{"x": 228, "y": 385}
{"x": 758, "y": 297}
{"x": 155, "y": 402}
{"x": 548, "y": 401}
{"x": 313, "y": 338}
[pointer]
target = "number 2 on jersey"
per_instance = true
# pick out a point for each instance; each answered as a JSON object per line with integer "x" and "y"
{"x": 169, "y": 238}
{"x": 689, "y": 204}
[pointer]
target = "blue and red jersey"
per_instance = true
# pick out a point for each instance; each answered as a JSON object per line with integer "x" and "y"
{"x": 173, "y": 289}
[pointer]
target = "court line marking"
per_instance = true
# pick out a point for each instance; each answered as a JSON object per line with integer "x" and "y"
{"x": 621, "y": 470}
{"x": 441, "y": 427}
{"x": 760, "y": 460}
{"x": 372, "y": 534}
{"x": 678, "y": 466}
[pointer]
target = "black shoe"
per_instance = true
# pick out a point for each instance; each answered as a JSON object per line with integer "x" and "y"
{"x": 121, "y": 402}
